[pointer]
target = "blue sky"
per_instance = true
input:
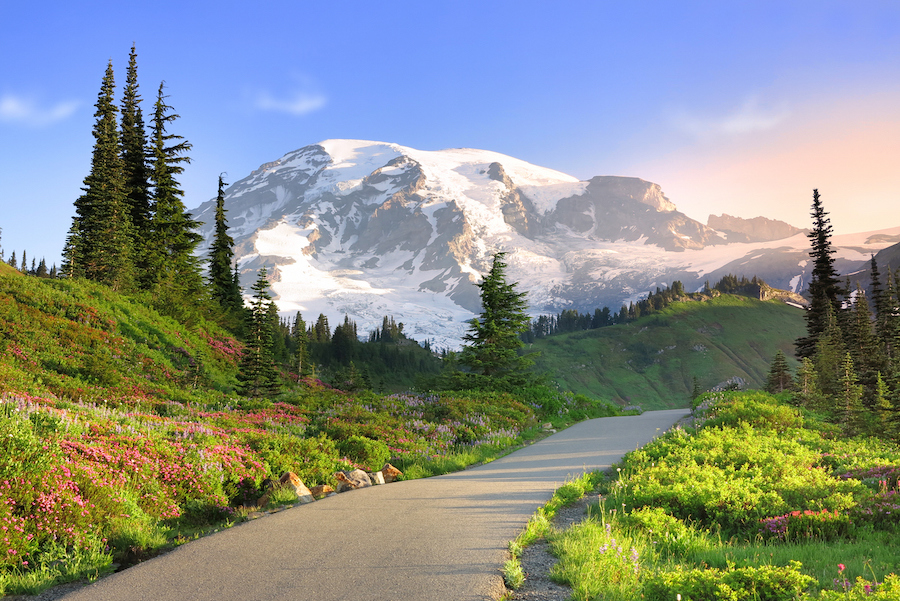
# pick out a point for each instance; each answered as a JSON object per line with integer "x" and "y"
{"x": 734, "y": 107}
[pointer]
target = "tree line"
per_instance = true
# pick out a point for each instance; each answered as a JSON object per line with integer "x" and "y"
{"x": 571, "y": 320}
{"x": 850, "y": 356}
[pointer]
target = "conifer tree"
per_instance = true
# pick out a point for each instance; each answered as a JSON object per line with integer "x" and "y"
{"x": 824, "y": 285}
{"x": 301, "y": 346}
{"x": 850, "y": 399}
{"x": 99, "y": 245}
{"x": 863, "y": 346}
{"x": 134, "y": 158}
{"x": 41, "y": 270}
{"x": 258, "y": 376}
{"x": 221, "y": 254}
{"x": 173, "y": 271}
{"x": 492, "y": 343}
{"x": 806, "y": 385}
{"x": 829, "y": 354}
{"x": 24, "y": 262}
{"x": 12, "y": 261}
{"x": 779, "y": 378}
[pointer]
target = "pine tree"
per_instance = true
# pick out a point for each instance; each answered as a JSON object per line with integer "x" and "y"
{"x": 258, "y": 376}
{"x": 24, "y": 262}
{"x": 884, "y": 409}
{"x": 221, "y": 254}
{"x": 134, "y": 158}
{"x": 99, "y": 245}
{"x": 12, "y": 261}
{"x": 321, "y": 331}
{"x": 173, "y": 271}
{"x": 492, "y": 342}
{"x": 779, "y": 378}
{"x": 824, "y": 285}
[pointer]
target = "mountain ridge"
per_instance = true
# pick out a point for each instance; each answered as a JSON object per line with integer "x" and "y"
{"x": 374, "y": 228}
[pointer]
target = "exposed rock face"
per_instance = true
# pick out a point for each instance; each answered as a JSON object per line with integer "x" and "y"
{"x": 371, "y": 229}
{"x": 758, "y": 229}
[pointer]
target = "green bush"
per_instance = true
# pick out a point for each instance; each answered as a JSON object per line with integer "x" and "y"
{"x": 368, "y": 453}
{"x": 864, "y": 590}
{"x": 764, "y": 583}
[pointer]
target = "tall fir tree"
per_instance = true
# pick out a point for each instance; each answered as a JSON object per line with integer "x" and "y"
{"x": 134, "y": 158}
{"x": 492, "y": 343}
{"x": 258, "y": 376}
{"x": 99, "y": 246}
{"x": 173, "y": 272}
{"x": 849, "y": 397}
{"x": 824, "y": 285}
{"x": 221, "y": 255}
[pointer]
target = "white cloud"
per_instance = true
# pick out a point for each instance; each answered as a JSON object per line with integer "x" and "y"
{"x": 299, "y": 103}
{"x": 17, "y": 109}
{"x": 751, "y": 117}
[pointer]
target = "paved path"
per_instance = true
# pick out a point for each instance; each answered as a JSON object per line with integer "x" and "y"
{"x": 441, "y": 538}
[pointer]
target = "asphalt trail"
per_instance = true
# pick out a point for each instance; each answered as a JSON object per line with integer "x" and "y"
{"x": 441, "y": 539}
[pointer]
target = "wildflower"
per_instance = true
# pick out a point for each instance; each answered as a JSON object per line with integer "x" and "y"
{"x": 841, "y": 567}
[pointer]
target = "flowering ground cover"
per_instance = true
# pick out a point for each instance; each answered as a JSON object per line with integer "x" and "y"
{"x": 121, "y": 434}
{"x": 759, "y": 503}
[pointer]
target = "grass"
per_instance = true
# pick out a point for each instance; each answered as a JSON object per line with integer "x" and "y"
{"x": 653, "y": 361}
{"x": 667, "y": 525}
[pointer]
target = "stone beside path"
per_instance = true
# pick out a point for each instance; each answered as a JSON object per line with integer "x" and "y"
{"x": 442, "y": 538}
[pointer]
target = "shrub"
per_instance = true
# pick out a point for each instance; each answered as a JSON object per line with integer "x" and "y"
{"x": 862, "y": 589}
{"x": 800, "y": 526}
{"x": 368, "y": 453}
{"x": 765, "y": 583}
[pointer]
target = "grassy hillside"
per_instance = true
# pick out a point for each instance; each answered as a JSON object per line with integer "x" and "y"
{"x": 652, "y": 361}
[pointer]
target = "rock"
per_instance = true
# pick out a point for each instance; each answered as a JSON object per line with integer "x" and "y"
{"x": 352, "y": 480}
{"x": 547, "y": 426}
{"x": 376, "y": 478}
{"x": 321, "y": 491}
{"x": 292, "y": 482}
{"x": 390, "y": 473}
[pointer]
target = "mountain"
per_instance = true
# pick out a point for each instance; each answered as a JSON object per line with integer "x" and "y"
{"x": 371, "y": 229}
{"x": 758, "y": 229}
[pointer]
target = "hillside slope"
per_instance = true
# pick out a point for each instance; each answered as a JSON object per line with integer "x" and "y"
{"x": 652, "y": 361}
{"x": 80, "y": 341}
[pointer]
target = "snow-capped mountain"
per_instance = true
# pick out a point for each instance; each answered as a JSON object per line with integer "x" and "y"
{"x": 371, "y": 229}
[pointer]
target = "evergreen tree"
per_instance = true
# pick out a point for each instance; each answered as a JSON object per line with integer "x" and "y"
{"x": 321, "y": 331}
{"x": 41, "y": 270}
{"x": 24, "y": 262}
{"x": 850, "y": 399}
{"x": 301, "y": 346}
{"x": 824, "y": 285}
{"x": 884, "y": 409}
{"x": 221, "y": 255}
{"x": 863, "y": 346}
{"x": 779, "y": 378}
{"x": 829, "y": 354}
{"x": 99, "y": 245}
{"x": 492, "y": 342}
{"x": 12, "y": 261}
{"x": 258, "y": 376}
{"x": 806, "y": 386}
{"x": 134, "y": 159}
{"x": 173, "y": 272}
